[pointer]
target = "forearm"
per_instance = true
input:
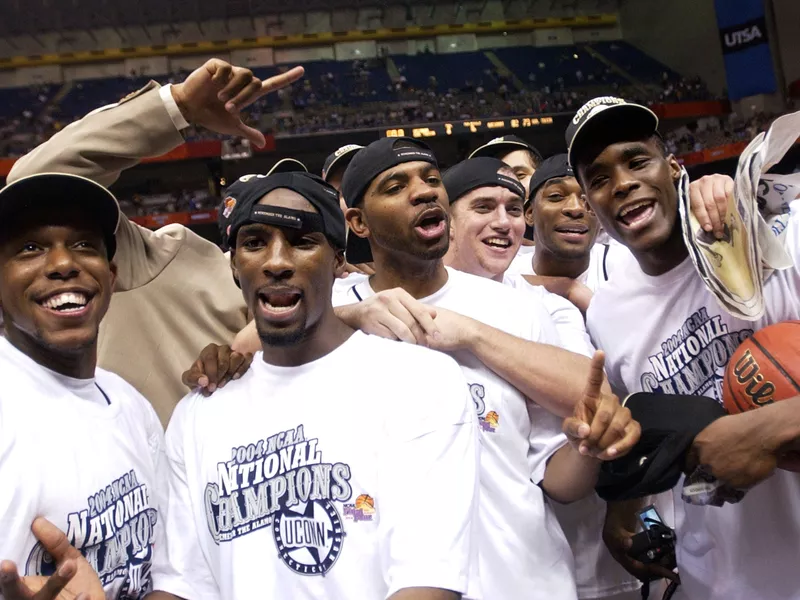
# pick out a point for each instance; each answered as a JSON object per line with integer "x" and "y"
{"x": 782, "y": 421}
{"x": 423, "y": 594}
{"x": 104, "y": 143}
{"x": 570, "y": 476}
{"x": 161, "y": 596}
{"x": 550, "y": 376}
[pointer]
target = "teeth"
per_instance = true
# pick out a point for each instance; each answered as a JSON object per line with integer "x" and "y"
{"x": 633, "y": 207}
{"x": 56, "y": 302}
{"x": 502, "y": 242}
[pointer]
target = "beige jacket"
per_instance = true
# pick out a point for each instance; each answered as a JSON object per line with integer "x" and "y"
{"x": 175, "y": 292}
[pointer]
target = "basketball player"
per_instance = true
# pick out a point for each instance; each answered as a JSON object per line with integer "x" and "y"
{"x": 486, "y": 226}
{"x": 178, "y": 295}
{"x": 79, "y": 447}
{"x": 283, "y": 485}
{"x": 502, "y": 343}
{"x": 682, "y": 343}
{"x": 566, "y": 259}
{"x": 524, "y": 159}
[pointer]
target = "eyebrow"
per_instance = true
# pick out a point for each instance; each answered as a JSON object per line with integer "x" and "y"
{"x": 555, "y": 181}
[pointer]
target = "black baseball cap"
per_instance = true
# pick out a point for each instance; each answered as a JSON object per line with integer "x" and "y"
{"x": 339, "y": 159}
{"x": 285, "y": 165}
{"x": 365, "y": 166}
{"x": 246, "y": 192}
{"x": 608, "y": 118}
{"x": 36, "y": 192}
{"x": 669, "y": 425}
{"x": 475, "y": 173}
{"x": 500, "y": 146}
{"x": 554, "y": 167}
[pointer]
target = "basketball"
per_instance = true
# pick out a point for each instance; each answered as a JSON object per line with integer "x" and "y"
{"x": 764, "y": 369}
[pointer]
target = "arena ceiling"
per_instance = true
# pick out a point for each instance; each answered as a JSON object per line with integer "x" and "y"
{"x": 31, "y": 17}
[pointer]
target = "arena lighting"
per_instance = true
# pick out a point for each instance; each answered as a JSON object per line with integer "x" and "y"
{"x": 468, "y": 126}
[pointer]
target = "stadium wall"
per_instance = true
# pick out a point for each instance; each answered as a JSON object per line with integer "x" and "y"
{"x": 682, "y": 34}
{"x": 787, "y": 21}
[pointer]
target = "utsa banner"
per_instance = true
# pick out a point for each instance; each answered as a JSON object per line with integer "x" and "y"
{"x": 748, "y": 61}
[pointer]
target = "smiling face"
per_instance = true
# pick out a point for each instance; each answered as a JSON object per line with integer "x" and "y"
{"x": 286, "y": 274}
{"x": 631, "y": 188}
{"x": 558, "y": 215}
{"x": 486, "y": 231}
{"x": 404, "y": 212}
{"x": 55, "y": 283}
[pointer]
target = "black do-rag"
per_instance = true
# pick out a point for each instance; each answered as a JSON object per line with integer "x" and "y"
{"x": 475, "y": 173}
{"x": 669, "y": 425}
{"x": 555, "y": 167}
{"x": 364, "y": 167}
{"x": 243, "y": 196}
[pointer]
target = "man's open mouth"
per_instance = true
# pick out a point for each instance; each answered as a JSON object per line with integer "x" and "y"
{"x": 637, "y": 212}
{"x": 66, "y": 302}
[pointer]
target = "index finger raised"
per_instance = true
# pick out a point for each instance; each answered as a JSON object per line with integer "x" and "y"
{"x": 594, "y": 382}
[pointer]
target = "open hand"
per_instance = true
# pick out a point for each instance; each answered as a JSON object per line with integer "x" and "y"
{"x": 74, "y": 578}
{"x": 600, "y": 427}
{"x": 215, "y": 95}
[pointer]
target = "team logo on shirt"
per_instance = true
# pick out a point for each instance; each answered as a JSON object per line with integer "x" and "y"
{"x": 115, "y": 534}
{"x": 693, "y": 359}
{"x": 488, "y": 421}
{"x": 281, "y": 482}
{"x": 362, "y": 510}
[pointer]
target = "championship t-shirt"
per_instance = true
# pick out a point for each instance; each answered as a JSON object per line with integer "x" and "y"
{"x": 523, "y": 552}
{"x": 297, "y": 482}
{"x": 86, "y": 455}
{"x": 667, "y": 334}
{"x": 597, "y": 573}
{"x": 602, "y": 258}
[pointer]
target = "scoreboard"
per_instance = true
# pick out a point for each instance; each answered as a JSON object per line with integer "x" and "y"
{"x": 467, "y": 126}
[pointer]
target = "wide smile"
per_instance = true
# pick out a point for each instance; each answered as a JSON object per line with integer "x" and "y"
{"x": 572, "y": 232}
{"x": 279, "y": 305}
{"x": 431, "y": 224}
{"x": 637, "y": 215}
{"x": 72, "y": 304}
{"x": 498, "y": 244}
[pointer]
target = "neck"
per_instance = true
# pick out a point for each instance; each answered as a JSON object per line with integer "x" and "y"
{"x": 547, "y": 264}
{"x": 666, "y": 257}
{"x": 319, "y": 340}
{"x": 420, "y": 278}
{"x": 79, "y": 364}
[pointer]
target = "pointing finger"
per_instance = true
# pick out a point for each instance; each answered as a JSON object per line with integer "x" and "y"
{"x": 594, "y": 382}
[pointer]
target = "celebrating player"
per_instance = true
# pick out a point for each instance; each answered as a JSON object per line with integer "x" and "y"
{"x": 682, "y": 344}
{"x": 283, "y": 485}
{"x": 397, "y": 201}
{"x": 179, "y": 296}
{"x": 487, "y": 224}
{"x": 79, "y": 446}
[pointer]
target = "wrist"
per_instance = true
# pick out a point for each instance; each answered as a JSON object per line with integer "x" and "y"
{"x": 176, "y": 90}
{"x": 783, "y": 423}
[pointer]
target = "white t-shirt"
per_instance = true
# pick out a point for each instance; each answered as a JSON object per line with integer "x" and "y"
{"x": 667, "y": 334}
{"x": 597, "y": 573}
{"x": 523, "y": 552}
{"x": 293, "y": 482}
{"x": 601, "y": 257}
{"x": 86, "y": 455}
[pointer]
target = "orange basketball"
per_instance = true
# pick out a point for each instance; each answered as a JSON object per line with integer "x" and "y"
{"x": 764, "y": 369}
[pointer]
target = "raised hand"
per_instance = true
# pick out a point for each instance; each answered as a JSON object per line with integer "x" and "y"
{"x": 215, "y": 95}
{"x": 709, "y": 197}
{"x": 74, "y": 578}
{"x": 216, "y": 366}
{"x": 600, "y": 427}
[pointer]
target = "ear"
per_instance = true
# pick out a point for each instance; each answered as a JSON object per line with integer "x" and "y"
{"x": 339, "y": 262}
{"x": 357, "y": 221}
{"x": 112, "y": 266}
{"x": 234, "y": 270}
{"x": 529, "y": 214}
{"x": 674, "y": 168}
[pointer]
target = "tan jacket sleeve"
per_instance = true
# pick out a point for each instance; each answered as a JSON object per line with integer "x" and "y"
{"x": 100, "y": 146}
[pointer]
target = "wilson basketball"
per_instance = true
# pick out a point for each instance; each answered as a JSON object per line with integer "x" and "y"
{"x": 764, "y": 369}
